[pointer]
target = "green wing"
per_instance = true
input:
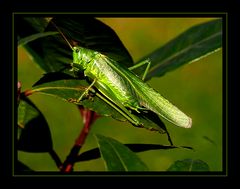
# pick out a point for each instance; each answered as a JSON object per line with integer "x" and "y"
{"x": 150, "y": 98}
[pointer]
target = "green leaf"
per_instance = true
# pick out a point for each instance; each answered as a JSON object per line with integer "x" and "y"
{"x": 27, "y": 111}
{"x": 189, "y": 165}
{"x": 95, "y": 153}
{"x": 190, "y": 46}
{"x": 118, "y": 157}
{"x": 35, "y": 135}
{"x": 33, "y": 37}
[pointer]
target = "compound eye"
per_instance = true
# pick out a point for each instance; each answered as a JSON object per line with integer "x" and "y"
{"x": 76, "y": 49}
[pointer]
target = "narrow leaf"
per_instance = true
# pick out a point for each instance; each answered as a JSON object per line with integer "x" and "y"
{"x": 190, "y": 46}
{"x": 33, "y": 37}
{"x": 118, "y": 157}
{"x": 95, "y": 153}
{"x": 189, "y": 165}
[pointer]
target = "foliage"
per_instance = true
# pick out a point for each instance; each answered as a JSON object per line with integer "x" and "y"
{"x": 51, "y": 52}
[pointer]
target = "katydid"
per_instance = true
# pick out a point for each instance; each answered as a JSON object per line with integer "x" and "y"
{"x": 121, "y": 88}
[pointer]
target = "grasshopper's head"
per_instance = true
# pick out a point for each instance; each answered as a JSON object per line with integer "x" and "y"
{"x": 76, "y": 54}
{"x": 82, "y": 56}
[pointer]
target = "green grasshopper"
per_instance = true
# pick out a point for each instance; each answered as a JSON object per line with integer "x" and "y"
{"x": 121, "y": 88}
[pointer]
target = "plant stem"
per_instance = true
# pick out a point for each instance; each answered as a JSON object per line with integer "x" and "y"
{"x": 88, "y": 119}
{"x": 56, "y": 158}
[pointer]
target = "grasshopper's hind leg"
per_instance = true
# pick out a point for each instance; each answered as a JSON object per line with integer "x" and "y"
{"x": 136, "y": 108}
{"x": 122, "y": 110}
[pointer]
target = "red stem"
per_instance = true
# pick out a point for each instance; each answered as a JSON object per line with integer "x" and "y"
{"x": 88, "y": 118}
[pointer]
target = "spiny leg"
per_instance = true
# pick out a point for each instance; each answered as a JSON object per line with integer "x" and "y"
{"x": 86, "y": 91}
{"x": 147, "y": 61}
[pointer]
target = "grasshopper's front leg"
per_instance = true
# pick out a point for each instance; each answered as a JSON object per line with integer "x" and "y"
{"x": 86, "y": 91}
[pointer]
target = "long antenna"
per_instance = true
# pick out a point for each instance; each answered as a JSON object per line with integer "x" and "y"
{"x": 69, "y": 44}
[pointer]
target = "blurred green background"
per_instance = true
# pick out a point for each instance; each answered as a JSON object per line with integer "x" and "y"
{"x": 195, "y": 88}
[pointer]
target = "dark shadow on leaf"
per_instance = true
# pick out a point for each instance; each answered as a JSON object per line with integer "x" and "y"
{"x": 36, "y": 135}
{"x": 89, "y": 155}
{"x": 52, "y": 76}
{"x": 20, "y": 168}
{"x": 88, "y": 32}
{"x": 153, "y": 117}
{"x": 52, "y": 53}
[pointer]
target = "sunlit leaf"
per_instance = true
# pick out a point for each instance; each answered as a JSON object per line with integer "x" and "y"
{"x": 118, "y": 157}
{"x": 189, "y": 165}
{"x": 190, "y": 46}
